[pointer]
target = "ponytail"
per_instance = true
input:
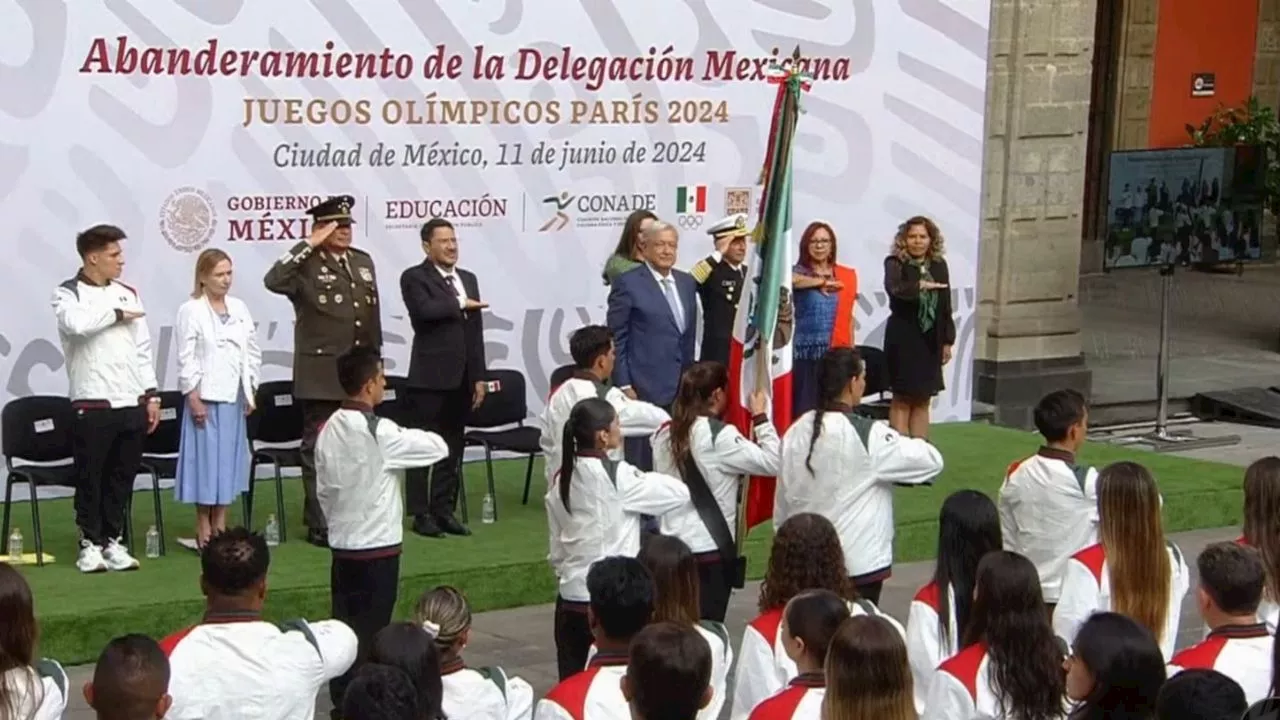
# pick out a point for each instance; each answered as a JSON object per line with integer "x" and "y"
{"x": 587, "y": 418}
{"x": 568, "y": 459}
{"x": 697, "y": 384}
{"x": 838, "y": 367}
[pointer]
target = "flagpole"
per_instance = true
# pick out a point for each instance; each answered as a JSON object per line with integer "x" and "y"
{"x": 777, "y": 155}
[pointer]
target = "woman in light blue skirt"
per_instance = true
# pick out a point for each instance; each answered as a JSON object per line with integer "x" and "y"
{"x": 218, "y": 370}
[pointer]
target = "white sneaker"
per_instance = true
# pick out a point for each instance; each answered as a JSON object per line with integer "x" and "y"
{"x": 118, "y": 558}
{"x": 90, "y": 560}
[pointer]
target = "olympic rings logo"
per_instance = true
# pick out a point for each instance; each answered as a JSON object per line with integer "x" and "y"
{"x": 689, "y": 222}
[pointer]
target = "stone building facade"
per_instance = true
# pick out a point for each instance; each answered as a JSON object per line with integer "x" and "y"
{"x": 1035, "y": 243}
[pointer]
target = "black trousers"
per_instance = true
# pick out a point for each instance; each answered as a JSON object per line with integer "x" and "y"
{"x": 107, "y": 449}
{"x": 443, "y": 412}
{"x": 871, "y": 591}
{"x": 573, "y": 637}
{"x": 363, "y": 593}
{"x": 314, "y": 415}
{"x": 714, "y": 587}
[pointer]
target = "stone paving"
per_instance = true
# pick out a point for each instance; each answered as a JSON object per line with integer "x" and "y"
{"x": 521, "y": 640}
{"x": 1225, "y": 332}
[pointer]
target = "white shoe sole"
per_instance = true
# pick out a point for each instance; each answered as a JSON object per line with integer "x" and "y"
{"x": 126, "y": 568}
{"x": 93, "y": 570}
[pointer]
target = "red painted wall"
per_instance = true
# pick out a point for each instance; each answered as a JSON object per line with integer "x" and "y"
{"x": 1194, "y": 36}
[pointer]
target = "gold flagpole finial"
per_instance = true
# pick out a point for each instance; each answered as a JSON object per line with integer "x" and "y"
{"x": 796, "y": 55}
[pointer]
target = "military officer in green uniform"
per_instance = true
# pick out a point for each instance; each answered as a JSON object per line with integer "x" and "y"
{"x": 720, "y": 276}
{"x": 334, "y": 292}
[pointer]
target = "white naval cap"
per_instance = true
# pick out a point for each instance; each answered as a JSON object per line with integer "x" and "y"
{"x": 731, "y": 227}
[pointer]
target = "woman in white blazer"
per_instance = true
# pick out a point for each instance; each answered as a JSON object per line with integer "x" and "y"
{"x": 219, "y": 364}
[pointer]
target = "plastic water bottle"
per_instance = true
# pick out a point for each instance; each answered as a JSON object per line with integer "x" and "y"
{"x": 272, "y": 532}
{"x": 153, "y": 542}
{"x": 486, "y": 510}
{"x": 15, "y": 546}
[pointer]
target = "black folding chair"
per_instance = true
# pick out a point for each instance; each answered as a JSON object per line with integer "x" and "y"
{"x": 395, "y": 404}
{"x": 506, "y": 407}
{"x": 276, "y": 424}
{"x": 561, "y": 375}
{"x": 36, "y": 431}
{"x": 160, "y": 453}
{"x": 877, "y": 367}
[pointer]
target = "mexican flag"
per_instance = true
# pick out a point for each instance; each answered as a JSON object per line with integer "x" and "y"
{"x": 760, "y": 351}
{"x": 691, "y": 199}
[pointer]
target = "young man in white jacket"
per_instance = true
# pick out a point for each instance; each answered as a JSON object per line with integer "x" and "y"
{"x": 592, "y": 350}
{"x": 112, "y": 385}
{"x": 360, "y": 464}
{"x": 1048, "y": 503}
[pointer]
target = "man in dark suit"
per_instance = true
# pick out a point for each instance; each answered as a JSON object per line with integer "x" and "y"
{"x": 720, "y": 277}
{"x": 653, "y": 313}
{"x": 446, "y": 371}
{"x": 335, "y": 301}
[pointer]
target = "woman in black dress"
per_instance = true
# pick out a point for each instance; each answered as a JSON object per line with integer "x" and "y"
{"x": 921, "y": 331}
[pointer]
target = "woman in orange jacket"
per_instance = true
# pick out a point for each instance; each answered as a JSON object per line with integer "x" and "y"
{"x": 824, "y": 295}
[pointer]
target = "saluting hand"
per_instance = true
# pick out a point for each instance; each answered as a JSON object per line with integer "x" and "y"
{"x": 320, "y": 233}
{"x": 130, "y": 315}
{"x": 931, "y": 285}
{"x": 476, "y": 305}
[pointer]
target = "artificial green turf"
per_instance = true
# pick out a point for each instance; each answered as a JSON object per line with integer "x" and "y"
{"x": 503, "y": 565}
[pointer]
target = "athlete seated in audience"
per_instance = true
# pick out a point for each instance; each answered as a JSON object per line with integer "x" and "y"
{"x": 675, "y": 586}
{"x": 668, "y": 673}
{"x": 1239, "y": 645}
{"x": 130, "y": 681}
{"x": 711, "y": 457}
{"x": 1048, "y": 502}
{"x": 380, "y": 692}
{"x": 621, "y": 605}
{"x": 235, "y": 659}
{"x": 410, "y": 648}
{"x": 843, "y": 466}
{"x": 809, "y": 622}
{"x": 485, "y": 693}
{"x": 32, "y": 687}
{"x": 591, "y": 348}
{"x": 1134, "y": 570}
{"x": 806, "y": 555}
{"x": 1200, "y": 695}
{"x": 968, "y": 529}
{"x": 1115, "y": 669}
{"x": 594, "y": 507}
{"x": 867, "y": 673}
{"x": 1262, "y": 529}
{"x": 1010, "y": 667}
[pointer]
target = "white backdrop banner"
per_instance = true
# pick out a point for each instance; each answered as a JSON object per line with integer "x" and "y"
{"x": 535, "y": 125}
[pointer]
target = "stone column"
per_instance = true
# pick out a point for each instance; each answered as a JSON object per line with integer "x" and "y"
{"x": 1266, "y": 87}
{"x": 1038, "y": 80}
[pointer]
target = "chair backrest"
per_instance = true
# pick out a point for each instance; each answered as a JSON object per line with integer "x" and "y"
{"x": 560, "y": 375}
{"x": 37, "y": 428}
{"x": 277, "y": 419}
{"x": 504, "y": 404}
{"x": 168, "y": 434}
{"x": 873, "y": 359}
{"x": 395, "y": 402}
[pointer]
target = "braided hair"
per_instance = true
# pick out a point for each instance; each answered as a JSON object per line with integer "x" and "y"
{"x": 838, "y": 367}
